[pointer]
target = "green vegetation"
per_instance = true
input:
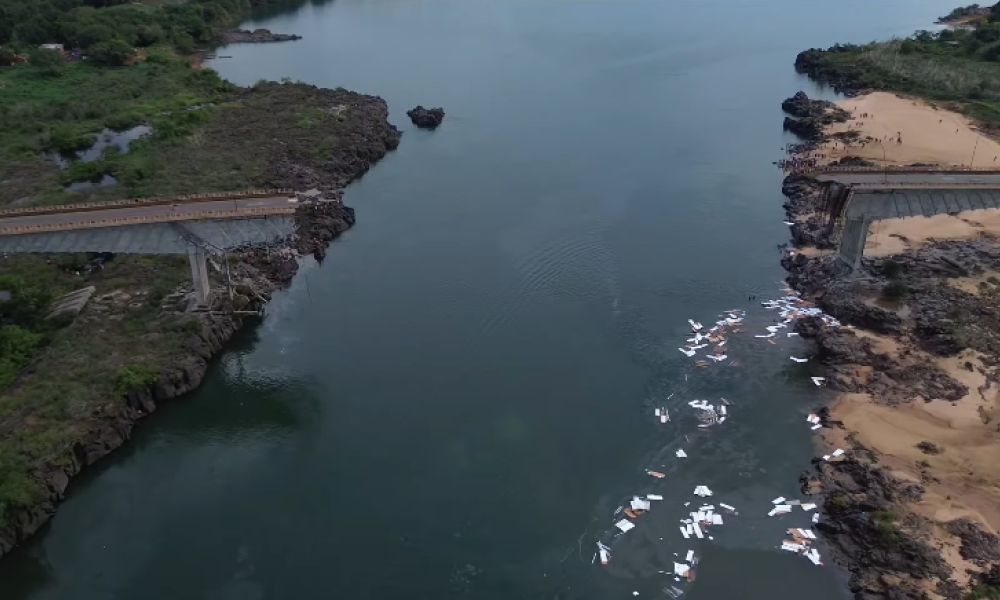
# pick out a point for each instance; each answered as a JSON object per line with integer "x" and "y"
{"x": 951, "y": 65}
{"x": 962, "y": 13}
{"x": 134, "y": 377}
{"x": 895, "y": 290}
{"x": 893, "y": 269}
{"x": 984, "y": 591}
{"x": 110, "y": 30}
{"x": 85, "y": 369}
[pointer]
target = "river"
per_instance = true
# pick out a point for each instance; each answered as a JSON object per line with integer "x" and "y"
{"x": 456, "y": 401}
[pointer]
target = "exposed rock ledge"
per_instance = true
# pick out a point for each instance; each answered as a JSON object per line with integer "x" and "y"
{"x": 257, "y": 36}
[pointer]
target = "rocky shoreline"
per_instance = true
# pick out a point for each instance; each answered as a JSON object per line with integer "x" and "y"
{"x": 257, "y": 36}
{"x": 903, "y": 315}
{"x": 256, "y": 273}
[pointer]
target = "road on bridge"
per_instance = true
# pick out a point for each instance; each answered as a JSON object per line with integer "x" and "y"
{"x": 175, "y": 211}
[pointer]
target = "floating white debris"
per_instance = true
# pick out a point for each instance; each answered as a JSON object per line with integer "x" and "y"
{"x": 799, "y": 360}
{"x": 792, "y": 334}
{"x": 702, "y": 491}
{"x": 789, "y": 223}
{"x": 818, "y": 380}
{"x": 681, "y": 454}
{"x": 639, "y": 504}
{"x": 625, "y": 525}
{"x": 813, "y": 555}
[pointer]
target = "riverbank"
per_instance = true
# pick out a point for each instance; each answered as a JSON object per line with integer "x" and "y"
{"x": 135, "y": 346}
{"x": 912, "y": 510}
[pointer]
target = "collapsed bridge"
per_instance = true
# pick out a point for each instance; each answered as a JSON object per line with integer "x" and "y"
{"x": 198, "y": 225}
{"x": 855, "y": 197}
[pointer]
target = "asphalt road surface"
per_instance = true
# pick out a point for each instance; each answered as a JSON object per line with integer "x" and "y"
{"x": 159, "y": 210}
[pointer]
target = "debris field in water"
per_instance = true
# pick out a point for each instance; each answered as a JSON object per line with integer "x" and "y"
{"x": 708, "y": 347}
{"x": 700, "y": 521}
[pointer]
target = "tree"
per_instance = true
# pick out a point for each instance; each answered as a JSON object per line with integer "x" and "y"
{"x": 49, "y": 61}
{"x": 116, "y": 52}
{"x": 91, "y": 35}
{"x": 148, "y": 36}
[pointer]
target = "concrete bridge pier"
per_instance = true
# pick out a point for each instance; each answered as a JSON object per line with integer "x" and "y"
{"x": 199, "y": 275}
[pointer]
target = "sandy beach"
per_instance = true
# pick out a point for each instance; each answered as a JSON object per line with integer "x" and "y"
{"x": 894, "y": 236}
{"x": 962, "y": 481}
{"x": 929, "y": 134}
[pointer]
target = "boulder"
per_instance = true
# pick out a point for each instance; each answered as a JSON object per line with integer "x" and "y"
{"x": 426, "y": 118}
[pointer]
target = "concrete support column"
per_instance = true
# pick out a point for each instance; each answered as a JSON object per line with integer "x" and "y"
{"x": 199, "y": 274}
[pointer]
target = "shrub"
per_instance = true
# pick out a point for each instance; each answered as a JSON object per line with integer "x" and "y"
{"x": 895, "y": 290}
{"x": 134, "y": 377}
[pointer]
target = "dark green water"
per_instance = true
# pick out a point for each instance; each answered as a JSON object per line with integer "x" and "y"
{"x": 455, "y": 403}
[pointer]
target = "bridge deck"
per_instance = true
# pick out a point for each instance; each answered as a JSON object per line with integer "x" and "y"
{"x": 901, "y": 203}
{"x": 153, "y": 238}
{"x": 133, "y": 215}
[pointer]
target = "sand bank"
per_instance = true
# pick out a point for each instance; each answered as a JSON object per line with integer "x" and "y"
{"x": 929, "y": 134}
{"x": 895, "y": 236}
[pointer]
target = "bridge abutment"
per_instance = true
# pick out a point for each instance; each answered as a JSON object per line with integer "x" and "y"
{"x": 199, "y": 274}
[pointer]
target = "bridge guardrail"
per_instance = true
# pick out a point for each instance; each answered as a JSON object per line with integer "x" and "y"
{"x": 137, "y": 220}
{"x": 925, "y": 185}
{"x": 153, "y": 201}
{"x": 904, "y": 169}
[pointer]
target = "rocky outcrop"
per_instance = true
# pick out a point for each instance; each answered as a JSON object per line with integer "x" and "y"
{"x": 807, "y": 129}
{"x": 426, "y": 118}
{"x": 811, "y": 117}
{"x": 978, "y": 546}
{"x": 885, "y": 555}
{"x": 257, "y": 36}
{"x": 803, "y": 107}
{"x": 843, "y": 76}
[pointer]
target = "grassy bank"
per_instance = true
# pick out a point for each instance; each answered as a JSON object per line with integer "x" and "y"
{"x": 83, "y": 370}
{"x": 956, "y": 66}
